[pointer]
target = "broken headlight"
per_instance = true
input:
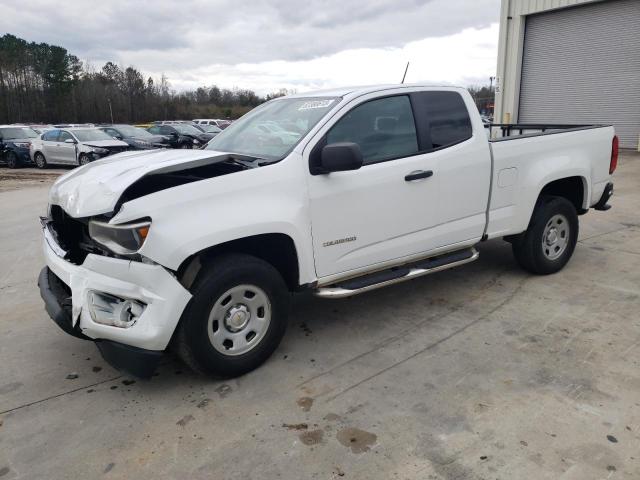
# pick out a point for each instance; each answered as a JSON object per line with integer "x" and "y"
{"x": 124, "y": 239}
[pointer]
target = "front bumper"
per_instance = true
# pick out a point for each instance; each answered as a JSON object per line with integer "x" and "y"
{"x": 23, "y": 155}
{"x": 65, "y": 288}
{"x": 57, "y": 301}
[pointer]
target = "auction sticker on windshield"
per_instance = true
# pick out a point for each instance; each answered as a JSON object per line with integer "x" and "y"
{"x": 316, "y": 104}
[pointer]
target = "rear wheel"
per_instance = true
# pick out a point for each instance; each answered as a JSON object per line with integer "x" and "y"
{"x": 12, "y": 160}
{"x": 551, "y": 238}
{"x": 41, "y": 162}
{"x": 236, "y": 318}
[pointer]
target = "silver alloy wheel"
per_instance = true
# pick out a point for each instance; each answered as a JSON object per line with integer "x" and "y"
{"x": 239, "y": 320}
{"x": 40, "y": 161}
{"x": 555, "y": 237}
{"x": 84, "y": 159}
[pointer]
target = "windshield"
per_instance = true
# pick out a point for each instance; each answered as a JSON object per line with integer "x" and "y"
{"x": 186, "y": 129}
{"x": 90, "y": 134}
{"x": 273, "y": 129}
{"x": 17, "y": 132}
{"x": 130, "y": 131}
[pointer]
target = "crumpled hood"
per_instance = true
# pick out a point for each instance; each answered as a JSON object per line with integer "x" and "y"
{"x": 95, "y": 188}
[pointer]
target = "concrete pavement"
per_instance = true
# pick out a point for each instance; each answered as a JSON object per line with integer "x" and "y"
{"x": 482, "y": 372}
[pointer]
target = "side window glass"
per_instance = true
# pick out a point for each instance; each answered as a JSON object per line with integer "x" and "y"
{"x": 154, "y": 130}
{"x": 445, "y": 117}
{"x": 166, "y": 130}
{"x": 64, "y": 136}
{"x": 51, "y": 135}
{"x": 384, "y": 129}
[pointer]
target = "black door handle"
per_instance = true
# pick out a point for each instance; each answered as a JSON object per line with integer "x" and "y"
{"x": 418, "y": 175}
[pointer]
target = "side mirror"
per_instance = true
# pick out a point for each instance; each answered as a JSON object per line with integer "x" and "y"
{"x": 69, "y": 140}
{"x": 340, "y": 157}
{"x": 118, "y": 137}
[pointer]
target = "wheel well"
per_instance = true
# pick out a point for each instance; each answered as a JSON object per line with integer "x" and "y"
{"x": 277, "y": 249}
{"x": 571, "y": 188}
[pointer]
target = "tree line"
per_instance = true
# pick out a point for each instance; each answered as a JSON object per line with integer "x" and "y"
{"x": 42, "y": 83}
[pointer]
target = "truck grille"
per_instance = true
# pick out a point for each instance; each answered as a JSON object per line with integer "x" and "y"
{"x": 72, "y": 235}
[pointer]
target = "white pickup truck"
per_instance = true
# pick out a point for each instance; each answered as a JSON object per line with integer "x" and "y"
{"x": 340, "y": 193}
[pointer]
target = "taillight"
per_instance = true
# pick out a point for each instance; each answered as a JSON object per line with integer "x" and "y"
{"x": 614, "y": 155}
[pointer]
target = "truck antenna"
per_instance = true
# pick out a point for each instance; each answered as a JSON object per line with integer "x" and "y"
{"x": 405, "y": 73}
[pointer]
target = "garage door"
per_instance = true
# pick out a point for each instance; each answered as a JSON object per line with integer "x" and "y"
{"x": 582, "y": 65}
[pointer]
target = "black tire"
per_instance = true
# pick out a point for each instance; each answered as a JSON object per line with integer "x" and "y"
{"x": 84, "y": 159}
{"x": 192, "y": 340}
{"x": 39, "y": 160}
{"x": 531, "y": 249}
{"x": 185, "y": 146}
{"x": 13, "y": 161}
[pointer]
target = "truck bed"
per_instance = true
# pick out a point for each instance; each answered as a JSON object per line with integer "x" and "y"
{"x": 523, "y": 164}
{"x": 500, "y": 132}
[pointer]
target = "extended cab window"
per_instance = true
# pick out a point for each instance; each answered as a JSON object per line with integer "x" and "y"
{"x": 443, "y": 119}
{"x": 384, "y": 129}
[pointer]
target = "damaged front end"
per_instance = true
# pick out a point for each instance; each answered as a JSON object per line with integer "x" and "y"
{"x": 96, "y": 286}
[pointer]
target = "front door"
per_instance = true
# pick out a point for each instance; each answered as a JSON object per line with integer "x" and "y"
{"x": 66, "y": 151}
{"x": 384, "y": 210}
{"x": 50, "y": 145}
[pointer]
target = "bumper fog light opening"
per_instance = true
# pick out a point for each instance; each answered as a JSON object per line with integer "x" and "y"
{"x": 107, "y": 309}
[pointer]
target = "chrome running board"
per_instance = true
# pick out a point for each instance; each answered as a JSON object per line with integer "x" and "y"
{"x": 397, "y": 274}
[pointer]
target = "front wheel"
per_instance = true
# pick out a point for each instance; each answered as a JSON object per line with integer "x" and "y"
{"x": 84, "y": 159}
{"x": 236, "y": 318}
{"x": 12, "y": 160}
{"x": 551, "y": 238}
{"x": 41, "y": 162}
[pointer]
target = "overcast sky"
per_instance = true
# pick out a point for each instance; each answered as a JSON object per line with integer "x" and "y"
{"x": 269, "y": 44}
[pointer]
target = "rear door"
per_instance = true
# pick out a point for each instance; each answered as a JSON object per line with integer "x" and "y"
{"x": 49, "y": 146}
{"x": 66, "y": 151}
{"x": 460, "y": 157}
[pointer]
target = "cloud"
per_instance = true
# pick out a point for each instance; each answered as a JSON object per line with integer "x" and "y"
{"x": 260, "y": 42}
{"x": 465, "y": 58}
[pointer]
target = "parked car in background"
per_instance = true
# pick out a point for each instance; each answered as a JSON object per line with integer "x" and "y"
{"x": 40, "y": 128}
{"x": 211, "y": 129}
{"x": 136, "y": 138}
{"x": 74, "y": 125}
{"x": 222, "y": 124}
{"x": 182, "y": 135}
{"x": 273, "y": 131}
{"x": 15, "y": 141}
{"x": 73, "y": 146}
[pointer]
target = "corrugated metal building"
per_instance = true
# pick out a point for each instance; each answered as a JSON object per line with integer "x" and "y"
{"x": 570, "y": 61}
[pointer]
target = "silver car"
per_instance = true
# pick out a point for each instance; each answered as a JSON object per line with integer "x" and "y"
{"x": 73, "y": 146}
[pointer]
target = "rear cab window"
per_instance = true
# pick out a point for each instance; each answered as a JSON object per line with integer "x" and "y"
{"x": 443, "y": 119}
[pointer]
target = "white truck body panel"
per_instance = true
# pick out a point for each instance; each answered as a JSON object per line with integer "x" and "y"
{"x": 342, "y": 224}
{"x": 523, "y": 166}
